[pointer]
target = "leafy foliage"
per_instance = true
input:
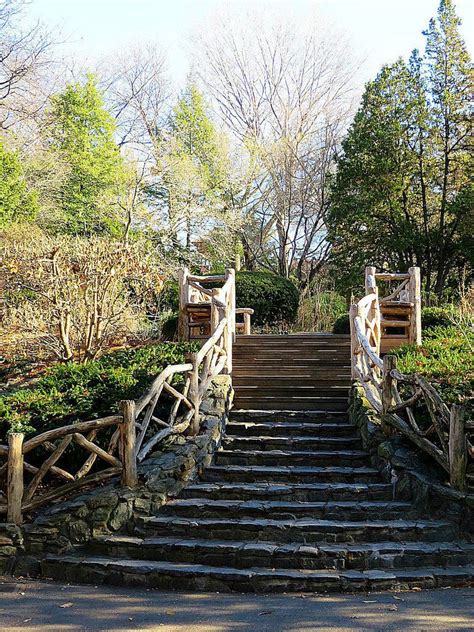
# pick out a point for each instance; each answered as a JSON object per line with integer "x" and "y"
{"x": 73, "y": 392}
{"x": 437, "y": 316}
{"x": 444, "y": 359}
{"x": 16, "y": 202}
{"x": 82, "y": 135}
{"x": 341, "y": 325}
{"x": 273, "y": 298}
{"x": 402, "y": 193}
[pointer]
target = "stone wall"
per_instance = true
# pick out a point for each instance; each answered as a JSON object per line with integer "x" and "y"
{"x": 111, "y": 508}
{"x": 413, "y": 474}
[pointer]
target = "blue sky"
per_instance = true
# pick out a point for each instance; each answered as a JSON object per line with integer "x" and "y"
{"x": 381, "y": 30}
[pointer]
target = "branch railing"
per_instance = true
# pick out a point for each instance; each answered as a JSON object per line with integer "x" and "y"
{"x": 115, "y": 445}
{"x": 408, "y": 404}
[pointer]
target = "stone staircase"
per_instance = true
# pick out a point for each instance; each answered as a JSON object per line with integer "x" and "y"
{"x": 291, "y": 502}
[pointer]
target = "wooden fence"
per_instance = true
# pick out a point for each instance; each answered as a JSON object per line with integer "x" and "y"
{"x": 407, "y": 403}
{"x": 36, "y": 472}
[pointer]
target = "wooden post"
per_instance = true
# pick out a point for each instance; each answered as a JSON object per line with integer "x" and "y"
{"x": 247, "y": 323}
{"x": 414, "y": 291}
{"x": 216, "y": 295}
{"x": 127, "y": 435}
{"x": 354, "y": 345}
{"x": 370, "y": 283}
{"x": 15, "y": 477}
{"x": 388, "y": 382}
{"x": 183, "y": 329}
{"x": 230, "y": 315}
{"x": 193, "y": 393}
{"x": 457, "y": 448}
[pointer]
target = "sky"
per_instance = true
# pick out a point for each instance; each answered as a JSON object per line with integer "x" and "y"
{"x": 380, "y": 30}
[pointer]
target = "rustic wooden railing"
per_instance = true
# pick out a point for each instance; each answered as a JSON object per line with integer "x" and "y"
{"x": 407, "y": 403}
{"x": 30, "y": 470}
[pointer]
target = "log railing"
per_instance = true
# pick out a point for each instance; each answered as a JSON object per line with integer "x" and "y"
{"x": 407, "y": 403}
{"x": 37, "y": 471}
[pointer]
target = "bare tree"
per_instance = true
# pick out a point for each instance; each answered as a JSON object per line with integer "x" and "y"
{"x": 137, "y": 90}
{"x": 24, "y": 60}
{"x": 284, "y": 89}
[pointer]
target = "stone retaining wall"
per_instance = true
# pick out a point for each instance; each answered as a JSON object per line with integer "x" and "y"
{"x": 111, "y": 508}
{"x": 413, "y": 474}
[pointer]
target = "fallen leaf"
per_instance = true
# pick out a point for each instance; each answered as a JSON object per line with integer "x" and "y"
{"x": 416, "y": 589}
{"x": 398, "y": 598}
{"x": 170, "y": 612}
{"x": 393, "y": 607}
{"x": 68, "y": 604}
{"x": 265, "y": 612}
{"x": 26, "y": 620}
{"x": 369, "y": 601}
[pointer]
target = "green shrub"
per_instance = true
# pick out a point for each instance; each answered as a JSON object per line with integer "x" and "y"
{"x": 72, "y": 392}
{"x": 445, "y": 359}
{"x": 319, "y": 308}
{"x": 273, "y": 298}
{"x": 341, "y": 325}
{"x": 436, "y": 316}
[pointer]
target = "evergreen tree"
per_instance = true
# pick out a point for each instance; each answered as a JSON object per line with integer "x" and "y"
{"x": 82, "y": 134}
{"x": 402, "y": 192}
{"x": 16, "y": 202}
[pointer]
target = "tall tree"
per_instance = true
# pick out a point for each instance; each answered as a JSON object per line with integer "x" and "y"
{"x": 284, "y": 91}
{"x": 17, "y": 203}
{"x": 192, "y": 166}
{"x": 402, "y": 192}
{"x": 81, "y": 131}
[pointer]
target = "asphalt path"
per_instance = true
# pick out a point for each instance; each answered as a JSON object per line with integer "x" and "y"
{"x": 29, "y": 606}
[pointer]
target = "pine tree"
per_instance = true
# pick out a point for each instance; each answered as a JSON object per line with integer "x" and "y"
{"x": 17, "y": 204}
{"x": 82, "y": 134}
{"x": 402, "y": 192}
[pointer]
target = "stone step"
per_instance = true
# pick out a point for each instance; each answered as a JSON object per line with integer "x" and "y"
{"x": 298, "y": 402}
{"x": 294, "y": 389}
{"x": 181, "y": 576}
{"x": 305, "y": 492}
{"x": 285, "y": 510}
{"x": 262, "y": 443}
{"x": 240, "y": 554}
{"x": 292, "y": 457}
{"x": 288, "y": 416}
{"x": 299, "y": 529}
{"x": 290, "y": 428}
{"x": 327, "y": 384}
{"x": 238, "y": 473}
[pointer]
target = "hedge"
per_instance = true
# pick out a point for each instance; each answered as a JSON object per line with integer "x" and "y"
{"x": 72, "y": 392}
{"x": 273, "y": 298}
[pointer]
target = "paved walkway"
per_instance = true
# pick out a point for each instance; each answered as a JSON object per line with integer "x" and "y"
{"x": 32, "y": 606}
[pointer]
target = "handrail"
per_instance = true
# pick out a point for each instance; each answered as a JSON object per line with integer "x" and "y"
{"x": 441, "y": 433}
{"x": 135, "y": 431}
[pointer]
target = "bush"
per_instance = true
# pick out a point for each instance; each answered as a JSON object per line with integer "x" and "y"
{"x": 73, "y": 392}
{"x": 341, "y": 325}
{"x": 273, "y": 298}
{"x": 446, "y": 360}
{"x": 436, "y": 316}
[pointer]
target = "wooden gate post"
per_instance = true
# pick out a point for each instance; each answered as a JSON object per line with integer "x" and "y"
{"x": 15, "y": 477}
{"x": 414, "y": 291}
{"x": 183, "y": 329}
{"x": 457, "y": 447}
{"x": 193, "y": 393}
{"x": 388, "y": 382}
{"x": 127, "y": 435}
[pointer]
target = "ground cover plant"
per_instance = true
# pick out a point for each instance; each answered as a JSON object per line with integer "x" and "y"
{"x": 73, "y": 392}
